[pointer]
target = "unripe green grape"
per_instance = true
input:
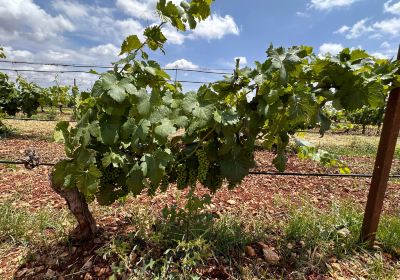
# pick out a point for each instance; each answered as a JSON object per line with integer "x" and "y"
{"x": 110, "y": 175}
{"x": 218, "y": 182}
{"x": 164, "y": 184}
{"x": 182, "y": 176}
{"x": 203, "y": 164}
{"x": 192, "y": 177}
{"x": 231, "y": 185}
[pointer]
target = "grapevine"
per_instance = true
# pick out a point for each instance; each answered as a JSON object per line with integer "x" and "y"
{"x": 164, "y": 184}
{"x": 138, "y": 121}
{"x": 192, "y": 177}
{"x": 27, "y": 97}
{"x": 182, "y": 176}
{"x": 203, "y": 164}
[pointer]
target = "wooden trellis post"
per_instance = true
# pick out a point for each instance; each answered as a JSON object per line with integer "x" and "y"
{"x": 383, "y": 164}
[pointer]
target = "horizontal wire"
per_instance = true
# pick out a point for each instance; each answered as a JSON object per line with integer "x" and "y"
{"x": 39, "y": 120}
{"x": 79, "y": 71}
{"x": 297, "y": 174}
{"x": 199, "y": 70}
{"x": 294, "y": 174}
{"x": 57, "y": 64}
{"x": 44, "y": 71}
{"x": 23, "y": 162}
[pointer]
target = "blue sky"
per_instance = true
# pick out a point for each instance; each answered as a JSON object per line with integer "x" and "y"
{"x": 90, "y": 32}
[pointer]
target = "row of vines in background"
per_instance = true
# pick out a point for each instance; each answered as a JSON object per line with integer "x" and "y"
{"x": 363, "y": 117}
{"x": 22, "y": 96}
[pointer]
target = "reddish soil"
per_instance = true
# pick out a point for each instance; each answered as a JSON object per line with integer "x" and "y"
{"x": 256, "y": 194}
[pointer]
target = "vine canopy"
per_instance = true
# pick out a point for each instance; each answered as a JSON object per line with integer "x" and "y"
{"x": 137, "y": 131}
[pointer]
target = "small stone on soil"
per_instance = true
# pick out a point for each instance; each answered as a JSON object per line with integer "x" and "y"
{"x": 231, "y": 202}
{"x": 270, "y": 256}
{"x": 50, "y": 273}
{"x": 250, "y": 252}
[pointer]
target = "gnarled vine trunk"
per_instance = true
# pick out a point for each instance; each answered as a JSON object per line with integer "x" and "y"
{"x": 86, "y": 228}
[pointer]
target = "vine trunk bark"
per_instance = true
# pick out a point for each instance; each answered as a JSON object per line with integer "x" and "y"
{"x": 86, "y": 228}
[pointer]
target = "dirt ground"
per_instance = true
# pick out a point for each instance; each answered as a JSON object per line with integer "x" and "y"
{"x": 29, "y": 189}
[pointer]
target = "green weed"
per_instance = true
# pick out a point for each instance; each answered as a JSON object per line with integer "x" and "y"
{"x": 22, "y": 226}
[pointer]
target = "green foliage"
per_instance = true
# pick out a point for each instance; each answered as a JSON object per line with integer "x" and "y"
{"x": 2, "y": 54}
{"x": 176, "y": 262}
{"x": 229, "y": 236}
{"x": 137, "y": 124}
{"x": 307, "y": 151}
{"x": 26, "y": 97}
{"x": 389, "y": 234}
{"x": 153, "y": 134}
{"x": 3, "y": 127}
{"x": 319, "y": 228}
{"x": 131, "y": 43}
{"x": 9, "y": 98}
{"x": 187, "y": 13}
{"x": 21, "y": 96}
{"x": 29, "y": 94}
{"x": 45, "y": 98}
{"x": 188, "y": 223}
{"x": 59, "y": 95}
{"x": 366, "y": 116}
{"x": 21, "y": 226}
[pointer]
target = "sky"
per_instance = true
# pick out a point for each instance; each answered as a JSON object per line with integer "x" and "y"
{"x": 91, "y": 32}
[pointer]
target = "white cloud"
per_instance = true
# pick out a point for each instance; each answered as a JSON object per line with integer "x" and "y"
{"x": 329, "y": 4}
{"x": 23, "y": 18}
{"x": 182, "y": 63}
{"x": 380, "y": 55}
{"x": 360, "y": 28}
{"x": 102, "y": 54}
{"x": 385, "y": 45}
{"x": 125, "y": 27}
{"x": 24, "y": 25}
{"x": 377, "y": 29}
{"x": 97, "y": 23}
{"x": 342, "y": 29}
{"x": 141, "y": 9}
{"x": 330, "y": 48}
{"x": 18, "y": 54}
{"x": 173, "y": 35}
{"x": 390, "y": 7}
{"x": 215, "y": 27}
{"x": 388, "y": 26}
{"x": 107, "y": 50}
{"x": 388, "y": 53}
{"x": 71, "y": 9}
{"x": 243, "y": 60}
{"x": 302, "y": 14}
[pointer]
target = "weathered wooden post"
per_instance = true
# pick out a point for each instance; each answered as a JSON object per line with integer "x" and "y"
{"x": 383, "y": 164}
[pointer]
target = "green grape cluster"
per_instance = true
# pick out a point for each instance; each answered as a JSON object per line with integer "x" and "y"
{"x": 182, "y": 176}
{"x": 164, "y": 184}
{"x": 215, "y": 183}
{"x": 152, "y": 189}
{"x": 214, "y": 179}
{"x": 192, "y": 177}
{"x": 231, "y": 185}
{"x": 109, "y": 175}
{"x": 203, "y": 164}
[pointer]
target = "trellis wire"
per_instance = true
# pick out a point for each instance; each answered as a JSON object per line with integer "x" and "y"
{"x": 39, "y": 120}
{"x": 197, "y": 70}
{"x": 266, "y": 173}
{"x": 79, "y": 71}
